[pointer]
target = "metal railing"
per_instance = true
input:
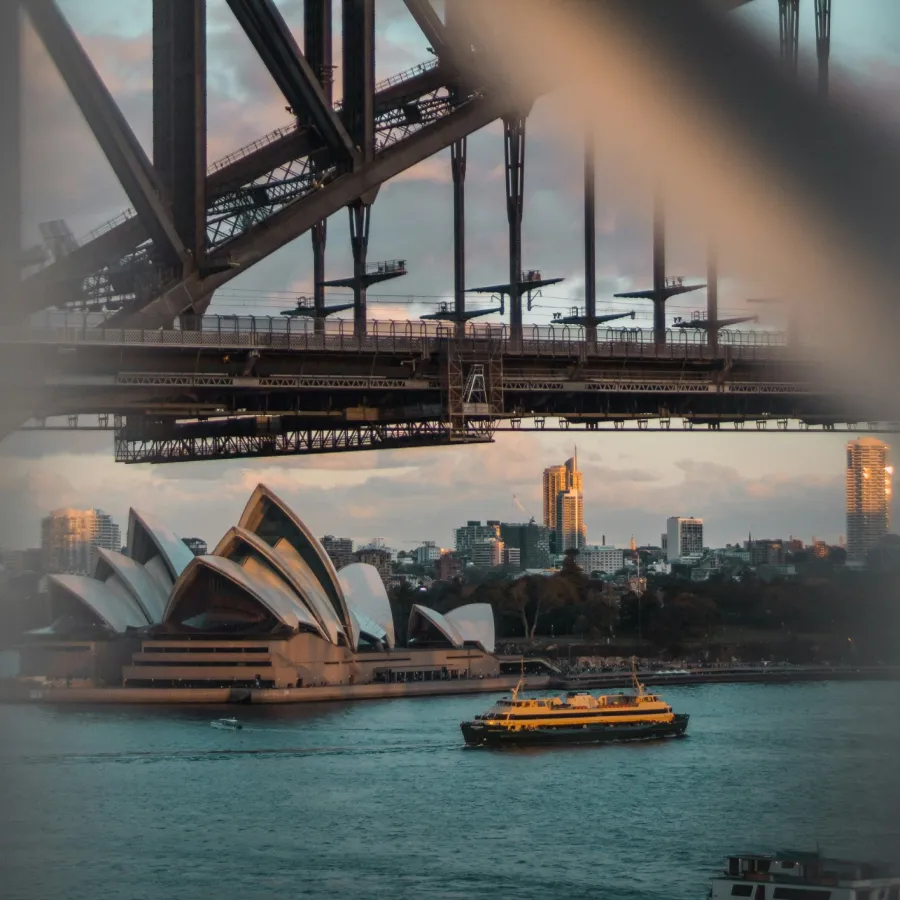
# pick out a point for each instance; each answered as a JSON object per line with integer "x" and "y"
{"x": 278, "y": 332}
{"x": 264, "y": 141}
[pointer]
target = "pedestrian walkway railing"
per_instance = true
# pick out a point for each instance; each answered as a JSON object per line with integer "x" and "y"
{"x": 302, "y": 334}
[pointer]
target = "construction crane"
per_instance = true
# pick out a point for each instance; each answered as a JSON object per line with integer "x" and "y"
{"x": 518, "y": 505}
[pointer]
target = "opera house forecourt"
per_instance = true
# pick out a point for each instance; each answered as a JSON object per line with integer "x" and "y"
{"x": 265, "y": 617}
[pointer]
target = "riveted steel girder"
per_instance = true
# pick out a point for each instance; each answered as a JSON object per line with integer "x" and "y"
{"x": 276, "y": 47}
{"x": 179, "y": 115}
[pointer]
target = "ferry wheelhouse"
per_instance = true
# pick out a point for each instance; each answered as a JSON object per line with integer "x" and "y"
{"x": 576, "y": 718}
{"x": 795, "y": 875}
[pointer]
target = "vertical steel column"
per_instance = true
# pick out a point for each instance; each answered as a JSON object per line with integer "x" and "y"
{"x": 360, "y": 216}
{"x": 179, "y": 116}
{"x": 359, "y": 73}
{"x": 789, "y": 31}
{"x": 590, "y": 241}
{"x": 823, "y": 42}
{"x": 458, "y": 170}
{"x": 319, "y": 234}
{"x": 358, "y": 24}
{"x": 514, "y": 152}
{"x": 318, "y": 49}
{"x": 659, "y": 267}
{"x": 10, "y": 156}
{"x": 712, "y": 295}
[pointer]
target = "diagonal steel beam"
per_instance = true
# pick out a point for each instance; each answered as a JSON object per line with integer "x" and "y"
{"x": 43, "y": 288}
{"x": 430, "y": 24}
{"x": 295, "y": 220}
{"x": 116, "y": 139}
{"x": 10, "y": 154}
{"x": 273, "y": 41}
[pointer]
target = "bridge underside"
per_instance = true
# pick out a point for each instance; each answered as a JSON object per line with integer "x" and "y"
{"x": 178, "y": 396}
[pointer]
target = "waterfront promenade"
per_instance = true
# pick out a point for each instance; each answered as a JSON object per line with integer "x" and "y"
{"x": 34, "y": 692}
{"x": 731, "y": 675}
{"x": 26, "y": 691}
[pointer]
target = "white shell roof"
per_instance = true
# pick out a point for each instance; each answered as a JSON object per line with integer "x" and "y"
{"x": 263, "y": 586}
{"x": 169, "y": 546}
{"x": 474, "y": 622}
{"x": 365, "y": 626}
{"x": 293, "y": 570}
{"x": 113, "y": 607}
{"x": 156, "y": 568}
{"x": 303, "y": 542}
{"x": 143, "y": 587}
{"x": 435, "y": 618}
{"x": 313, "y": 591}
{"x": 367, "y": 598}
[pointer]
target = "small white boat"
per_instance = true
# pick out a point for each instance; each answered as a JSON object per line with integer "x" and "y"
{"x": 230, "y": 724}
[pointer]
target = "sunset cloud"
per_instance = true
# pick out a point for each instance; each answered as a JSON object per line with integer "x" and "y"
{"x": 772, "y": 485}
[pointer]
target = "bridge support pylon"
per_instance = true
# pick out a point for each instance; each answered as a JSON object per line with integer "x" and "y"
{"x": 317, "y": 36}
{"x": 823, "y": 42}
{"x": 789, "y": 32}
{"x": 712, "y": 294}
{"x": 514, "y": 153}
{"x": 590, "y": 242}
{"x": 458, "y": 171}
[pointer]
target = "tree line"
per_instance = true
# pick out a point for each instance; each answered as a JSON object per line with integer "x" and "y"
{"x": 842, "y": 609}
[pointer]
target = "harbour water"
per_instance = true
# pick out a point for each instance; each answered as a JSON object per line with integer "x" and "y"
{"x": 379, "y": 800}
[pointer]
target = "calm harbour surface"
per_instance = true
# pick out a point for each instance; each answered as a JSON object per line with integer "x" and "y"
{"x": 379, "y": 800}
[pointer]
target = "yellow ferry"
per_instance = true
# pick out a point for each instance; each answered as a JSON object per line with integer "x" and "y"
{"x": 576, "y": 718}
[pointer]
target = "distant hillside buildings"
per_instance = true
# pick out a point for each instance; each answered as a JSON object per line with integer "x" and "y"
{"x": 196, "y": 545}
{"x": 600, "y": 559}
{"x": 339, "y": 550}
{"x": 683, "y": 538}
{"x": 68, "y": 538}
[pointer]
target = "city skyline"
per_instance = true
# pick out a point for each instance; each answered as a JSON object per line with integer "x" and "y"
{"x": 770, "y": 485}
{"x": 631, "y": 492}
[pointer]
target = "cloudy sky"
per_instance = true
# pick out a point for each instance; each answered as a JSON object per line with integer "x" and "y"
{"x": 771, "y": 485}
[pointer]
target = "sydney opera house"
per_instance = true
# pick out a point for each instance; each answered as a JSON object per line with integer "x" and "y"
{"x": 266, "y": 609}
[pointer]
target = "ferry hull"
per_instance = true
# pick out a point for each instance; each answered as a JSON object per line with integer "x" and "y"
{"x": 476, "y": 734}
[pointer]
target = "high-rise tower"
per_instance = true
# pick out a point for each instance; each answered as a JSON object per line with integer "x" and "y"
{"x": 554, "y": 482}
{"x": 68, "y": 538}
{"x": 868, "y": 496}
{"x": 564, "y": 505}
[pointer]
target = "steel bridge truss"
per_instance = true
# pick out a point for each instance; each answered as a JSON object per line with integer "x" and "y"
{"x": 188, "y": 447}
{"x": 193, "y": 227}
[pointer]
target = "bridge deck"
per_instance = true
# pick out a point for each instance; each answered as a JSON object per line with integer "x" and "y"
{"x": 278, "y": 387}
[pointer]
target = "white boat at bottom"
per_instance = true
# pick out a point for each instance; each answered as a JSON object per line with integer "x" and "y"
{"x": 798, "y": 875}
{"x": 230, "y": 724}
